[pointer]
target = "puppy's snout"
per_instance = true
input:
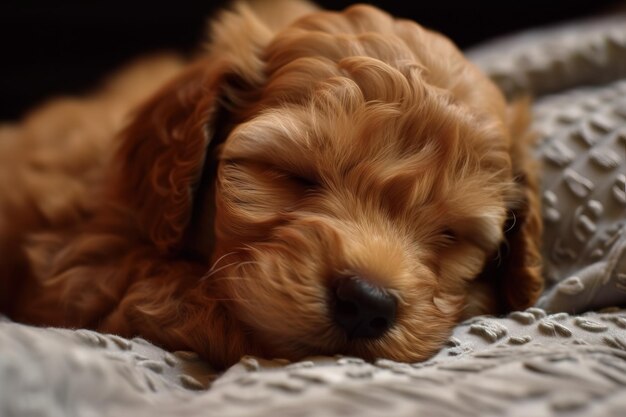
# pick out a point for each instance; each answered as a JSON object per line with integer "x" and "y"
{"x": 361, "y": 309}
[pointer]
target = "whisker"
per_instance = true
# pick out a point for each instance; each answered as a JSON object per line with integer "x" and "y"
{"x": 248, "y": 263}
{"x": 248, "y": 248}
{"x": 220, "y": 259}
{"x": 513, "y": 223}
{"x": 211, "y": 273}
{"x": 231, "y": 278}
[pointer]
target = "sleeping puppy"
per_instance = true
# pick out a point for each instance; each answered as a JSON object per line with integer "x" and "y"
{"x": 313, "y": 183}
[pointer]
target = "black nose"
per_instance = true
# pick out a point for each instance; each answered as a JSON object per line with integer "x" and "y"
{"x": 362, "y": 309}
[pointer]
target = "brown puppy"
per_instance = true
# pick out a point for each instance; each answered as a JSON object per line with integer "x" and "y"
{"x": 315, "y": 183}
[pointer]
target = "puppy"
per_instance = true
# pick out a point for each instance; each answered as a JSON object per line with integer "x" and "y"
{"x": 313, "y": 183}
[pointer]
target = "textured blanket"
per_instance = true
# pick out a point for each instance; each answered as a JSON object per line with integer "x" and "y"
{"x": 566, "y": 357}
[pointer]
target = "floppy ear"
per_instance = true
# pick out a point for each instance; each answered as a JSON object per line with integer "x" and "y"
{"x": 93, "y": 274}
{"x": 523, "y": 279}
{"x": 163, "y": 160}
{"x": 513, "y": 279}
{"x": 165, "y": 153}
{"x": 519, "y": 276}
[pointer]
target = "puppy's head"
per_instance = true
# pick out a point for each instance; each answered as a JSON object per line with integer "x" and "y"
{"x": 348, "y": 183}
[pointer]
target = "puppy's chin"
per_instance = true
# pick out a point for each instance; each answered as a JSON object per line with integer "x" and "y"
{"x": 282, "y": 290}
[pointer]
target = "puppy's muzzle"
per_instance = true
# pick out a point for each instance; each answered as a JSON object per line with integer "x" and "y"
{"x": 361, "y": 309}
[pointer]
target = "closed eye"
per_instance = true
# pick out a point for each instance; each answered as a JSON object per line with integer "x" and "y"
{"x": 279, "y": 173}
{"x": 448, "y": 233}
{"x": 305, "y": 182}
{"x": 448, "y": 236}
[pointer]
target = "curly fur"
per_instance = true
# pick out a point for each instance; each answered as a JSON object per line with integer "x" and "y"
{"x": 301, "y": 148}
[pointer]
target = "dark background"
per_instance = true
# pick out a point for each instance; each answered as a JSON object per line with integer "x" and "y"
{"x": 65, "y": 47}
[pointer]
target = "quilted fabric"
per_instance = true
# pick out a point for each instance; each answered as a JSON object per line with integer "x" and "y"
{"x": 553, "y": 59}
{"x": 527, "y": 364}
{"x": 584, "y": 197}
{"x": 530, "y": 363}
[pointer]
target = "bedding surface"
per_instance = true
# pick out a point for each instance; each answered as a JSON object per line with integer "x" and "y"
{"x": 527, "y": 364}
{"x": 565, "y": 357}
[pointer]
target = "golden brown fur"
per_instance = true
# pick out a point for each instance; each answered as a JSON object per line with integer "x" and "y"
{"x": 287, "y": 156}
